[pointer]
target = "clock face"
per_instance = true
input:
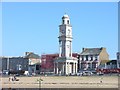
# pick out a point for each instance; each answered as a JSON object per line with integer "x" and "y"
{"x": 62, "y": 31}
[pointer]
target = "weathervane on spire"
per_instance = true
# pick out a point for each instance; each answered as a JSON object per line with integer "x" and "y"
{"x": 65, "y": 11}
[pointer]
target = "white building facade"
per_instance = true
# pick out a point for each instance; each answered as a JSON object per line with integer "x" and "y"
{"x": 34, "y": 63}
{"x": 65, "y": 64}
{"x": 91, "y": 58}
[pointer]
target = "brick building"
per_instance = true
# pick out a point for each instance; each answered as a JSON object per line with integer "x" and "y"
{"x": 47, "y": 61}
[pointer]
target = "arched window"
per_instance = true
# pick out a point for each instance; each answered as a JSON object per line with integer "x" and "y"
{"x": 67, "y": 21}
{"x": 63, "y": 22}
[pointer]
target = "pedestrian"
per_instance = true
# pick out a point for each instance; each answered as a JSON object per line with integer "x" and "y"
{"x": 101, "y": 80}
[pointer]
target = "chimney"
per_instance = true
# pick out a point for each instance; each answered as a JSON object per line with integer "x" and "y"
{"x": 103, "y": 48}
{"x": 27, "y": 53}
{"x": 83, "y": 49}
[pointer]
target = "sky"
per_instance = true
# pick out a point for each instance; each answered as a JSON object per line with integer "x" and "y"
{"x": 34, "y": 26}
{"x": 119, "y": 27}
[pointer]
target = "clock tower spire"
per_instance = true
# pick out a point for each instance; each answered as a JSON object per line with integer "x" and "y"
{"x": 65, "y": 64}
{"x": 65, "y": 37}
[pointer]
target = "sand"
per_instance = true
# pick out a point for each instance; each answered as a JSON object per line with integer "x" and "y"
{"x": 62, "y": 82}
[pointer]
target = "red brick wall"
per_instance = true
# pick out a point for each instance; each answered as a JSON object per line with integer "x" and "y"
{"x": 48, "y": 61}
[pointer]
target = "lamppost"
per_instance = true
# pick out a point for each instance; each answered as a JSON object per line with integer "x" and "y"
{"x": 40, "y": 82}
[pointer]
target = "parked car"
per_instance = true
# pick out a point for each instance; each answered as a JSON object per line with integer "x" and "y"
{"x": 100, "y": 73}
{"x": 5, "y": 72}
{"x": 79, "y": 74}
{"x": 87, "y": 73}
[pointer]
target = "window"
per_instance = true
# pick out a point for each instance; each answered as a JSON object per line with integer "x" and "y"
{"x": 63, "y": 21}
{"x": 37, "y": 67}
{"x": 82, "y": 66}
{"x": 67, "y": 21}
{"x": 96, "y": 58}
{"x": 86, "y": 57}
{"x": 93, "y": 65}
{"x": 89, "y": 65}
{"x": 91, "y": 57}
{"x": 82, "y": 58}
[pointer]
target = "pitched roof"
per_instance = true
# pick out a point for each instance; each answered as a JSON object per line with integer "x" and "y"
{"x": 91, "y": 51}
{"x": 32, "y": 55}
{"x": 112, "y": 61}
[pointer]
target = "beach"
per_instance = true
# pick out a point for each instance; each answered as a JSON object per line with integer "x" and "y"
{"x": 61, "y": 82}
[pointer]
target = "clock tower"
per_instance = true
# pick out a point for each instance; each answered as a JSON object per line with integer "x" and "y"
{"x": 65, "y": 37}
{"x": 65, "y": 64}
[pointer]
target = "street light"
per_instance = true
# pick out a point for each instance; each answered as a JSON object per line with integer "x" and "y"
{"x": 39, "y": 81}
